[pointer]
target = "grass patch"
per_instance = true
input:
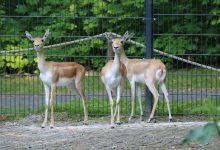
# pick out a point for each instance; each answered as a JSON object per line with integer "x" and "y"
{"x": 100, "y": 107}
{"x": 181, "y": 79}
{"x": 177, "y": 80}
{"x": 194, "y": 107}
{"x": 95, "y": 107}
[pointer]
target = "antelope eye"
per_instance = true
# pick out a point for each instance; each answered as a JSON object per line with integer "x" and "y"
{"x": 122, "y": 42}
{"x": 42, "y": 40}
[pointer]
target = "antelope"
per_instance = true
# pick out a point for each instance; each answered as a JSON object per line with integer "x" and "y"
{"x": 53, "y": 74}
{"x": 143, "y": 71}
{"x": 113, "y": 75}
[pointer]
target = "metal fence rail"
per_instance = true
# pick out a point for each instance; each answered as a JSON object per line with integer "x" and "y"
{"x": 174, "y": 36}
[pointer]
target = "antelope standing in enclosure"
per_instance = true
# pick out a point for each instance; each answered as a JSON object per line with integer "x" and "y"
{"x": 113, "y": 75}
{"x": 143, "y": 71}
{"x": 53, "y": 74}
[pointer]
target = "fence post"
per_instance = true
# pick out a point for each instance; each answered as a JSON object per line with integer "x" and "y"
{"x": 149, "y": 48}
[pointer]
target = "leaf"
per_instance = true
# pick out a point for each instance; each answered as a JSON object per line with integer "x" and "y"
{"x": 216, "y": 2}
{"x": 45, "y": 10}
{"x": 99, "y": 7}
{"x": 2, "y": 61}
{"x": 21, "y": 9}
{"x": 205, "y": 2}
{"x": 31, "y": 2}
{"x": 115, "y": 9}
{"x": 90, "y": 25}
{"x": 202, "y": 134}
{"x": 72, "y": 8}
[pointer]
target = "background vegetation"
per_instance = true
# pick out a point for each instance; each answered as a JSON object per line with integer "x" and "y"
{"x": 186, "y": 28}
{"x": 69, "y": 20}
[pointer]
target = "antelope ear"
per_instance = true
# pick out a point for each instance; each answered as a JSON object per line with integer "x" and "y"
{"x": 109, "y": 36}
{"x": 45, "y": 35}
{"x": 29, "y": 36}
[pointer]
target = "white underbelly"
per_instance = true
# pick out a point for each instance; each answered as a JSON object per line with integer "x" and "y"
{"x": 65, "y": 81}
{"x": 47, "y": 78}
{"x": 139, "y": 78}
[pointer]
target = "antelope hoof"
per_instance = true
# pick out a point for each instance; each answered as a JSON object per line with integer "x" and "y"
{"x": 118, "y": 123}
{"x": 85, "y": 123}
{"x": 142, "y": 118}
{"x": 131, "y": 118}
{"x": 153, "y": 120}
{"x": 43, "y": 125}
{"x": 112, "y": 126}
{"x": 51, "y": 126}
{"x": 170, "y": 120}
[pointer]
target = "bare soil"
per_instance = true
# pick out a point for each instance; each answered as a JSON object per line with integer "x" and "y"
{"x": 69, "y": 133}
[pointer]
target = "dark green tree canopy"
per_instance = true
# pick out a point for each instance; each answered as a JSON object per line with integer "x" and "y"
{"x": 180, "y": 27}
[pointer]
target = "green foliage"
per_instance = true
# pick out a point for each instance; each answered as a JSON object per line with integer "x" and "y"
{"x": 66, "y": 21}
{"x": 202, "y": 134}
{"x": 179, "y": 45}
{"x": 21, "y": 9}
{"x": 208, "y": 107}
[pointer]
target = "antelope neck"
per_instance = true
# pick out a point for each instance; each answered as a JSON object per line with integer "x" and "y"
{"x": 123, "y": 57}
{"x": 41, "y": 60}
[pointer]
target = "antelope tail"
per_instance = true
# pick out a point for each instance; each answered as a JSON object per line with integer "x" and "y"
{"x": 160, "y": 75}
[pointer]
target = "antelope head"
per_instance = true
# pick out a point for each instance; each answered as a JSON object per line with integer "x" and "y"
{"x": 37, "y": 41}
{"x": 117, "y": 43}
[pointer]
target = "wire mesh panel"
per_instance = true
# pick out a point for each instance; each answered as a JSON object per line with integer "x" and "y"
{"x": 186, "y": 29}
{"x": 189, "y": 30}
{"x": 22, "y": 91}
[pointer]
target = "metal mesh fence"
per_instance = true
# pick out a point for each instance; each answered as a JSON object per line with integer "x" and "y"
{"x": 187, "y": 29}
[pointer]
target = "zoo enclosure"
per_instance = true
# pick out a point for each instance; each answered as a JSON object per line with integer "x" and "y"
{"x": 186, "y": 29}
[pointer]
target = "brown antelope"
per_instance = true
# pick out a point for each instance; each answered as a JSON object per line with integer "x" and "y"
{"x": 113, "y": 75}
{"x": 143, "y": 71}
{"x": 53, "y": 74}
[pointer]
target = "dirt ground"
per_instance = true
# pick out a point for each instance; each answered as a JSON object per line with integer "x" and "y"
{"x": 26, "y": 133}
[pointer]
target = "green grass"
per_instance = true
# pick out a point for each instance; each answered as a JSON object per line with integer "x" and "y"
{"x": 96, "y": 107}
{"x": 101, "y": 107}
{"x": 207, "y": 106}
{"x": 181, "y": 79}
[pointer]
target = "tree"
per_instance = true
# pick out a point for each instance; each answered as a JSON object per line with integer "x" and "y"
{"x": 69, "y": 20}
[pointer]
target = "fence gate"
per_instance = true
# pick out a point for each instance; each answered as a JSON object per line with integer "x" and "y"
{"x": 185, "y": 37}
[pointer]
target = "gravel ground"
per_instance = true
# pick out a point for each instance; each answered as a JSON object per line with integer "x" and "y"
{"x": 26, "y": 133}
